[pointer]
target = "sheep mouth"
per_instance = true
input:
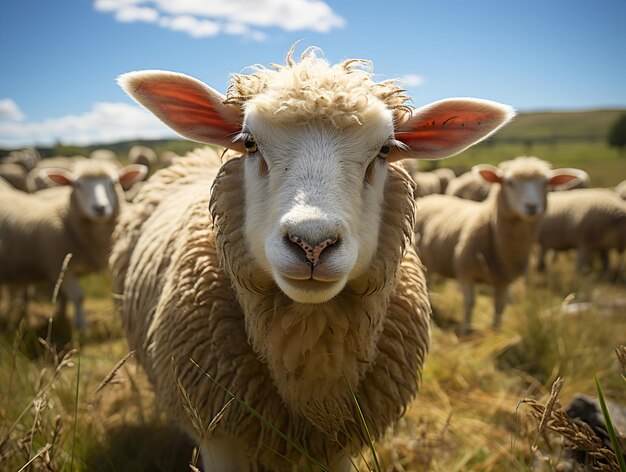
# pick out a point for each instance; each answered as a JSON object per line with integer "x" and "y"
{"x": 309, "y": 290}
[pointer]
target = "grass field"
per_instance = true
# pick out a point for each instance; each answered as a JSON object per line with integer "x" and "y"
{"x": 467, "y": 415}
{"x": 62, "y": 409}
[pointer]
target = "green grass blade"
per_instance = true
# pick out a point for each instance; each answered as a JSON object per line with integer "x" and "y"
{"x": 370, "y": 441}
{"x": 264, "y": 420}
{"x": 611, "y": 430}
{"x": 75, "y": 412}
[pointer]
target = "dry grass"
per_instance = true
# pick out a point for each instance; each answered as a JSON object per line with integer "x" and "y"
{"x": 468, "y": 416}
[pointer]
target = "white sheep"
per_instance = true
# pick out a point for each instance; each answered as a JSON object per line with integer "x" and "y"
{"x": 445, "y": 177}
{"x": 292, "y": 281}
{"x": 37, "y": 231}
{"x": 14, "y": 174}
{"x": 104, "y": 155}
{"x": 588, "y": 220}
{"x": 469, "y": 186}
{"x": 490, "y": 241}
{"x": 145, "y": 156}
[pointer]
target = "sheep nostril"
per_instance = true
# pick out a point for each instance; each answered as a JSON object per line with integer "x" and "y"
{"x": 99, "y": 209}
{"x": 312, "y": 251}
{"x": 531, "y": 208}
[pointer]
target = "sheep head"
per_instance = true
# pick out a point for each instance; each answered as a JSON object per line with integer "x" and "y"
{"x": 96, "y": 186}
{"x": 525, "y": 182}
{"x": 318, "y": 140}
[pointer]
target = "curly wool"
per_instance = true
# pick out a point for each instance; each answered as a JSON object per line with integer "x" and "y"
{"x": 344, "y": 94}
{"x": 189, "y": 289}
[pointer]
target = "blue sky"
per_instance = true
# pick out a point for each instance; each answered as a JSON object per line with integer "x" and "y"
{"x": 60, "y": 58}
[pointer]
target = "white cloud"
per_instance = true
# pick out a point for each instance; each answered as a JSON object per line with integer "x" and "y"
{"x": 10, "y": 111}
{"x": 106, "y": 122}
{"x": 191, "y": 25}
{"x": 411, "y": 80}
{"x": 202, "y": 18}
{"x": 130, "y": 14}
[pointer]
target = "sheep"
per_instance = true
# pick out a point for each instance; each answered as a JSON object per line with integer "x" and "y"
{"x": 104, "y": 155}
{"x": 426, "y": 183}
{"x": 468, "y": 186}
{"x": 37, "y": 231}
{"x": 144, "y": 155}
{"x": 589, "y": 220}
{"x": 167, "y": 157}
{"x": 27, "y": 158}
{"x": 14, "y": 174}
{"x": 445, "y": 177}
{"x": 292, "y": 280}
{"x": 487, "y": 242}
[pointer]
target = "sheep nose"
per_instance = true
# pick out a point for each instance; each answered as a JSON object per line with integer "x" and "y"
{"x": 531, "y": 208}
{"x": 312, "y": 251}
{"x": 99, "y": 210}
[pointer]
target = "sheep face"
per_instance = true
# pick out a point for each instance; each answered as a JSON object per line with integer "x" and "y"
{"x": 95, "y": 187}
{"x": 525, "y": 182}
{"x": 96, "y": 197}
{"x": 313, "y": 201}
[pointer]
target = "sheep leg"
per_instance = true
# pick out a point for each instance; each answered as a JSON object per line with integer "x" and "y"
{"x": 604, "y": 258}
{"x": 468, "y": 299}
{"x": 499, "y": 302}
{"x": 582, "y": 261}
{"x": 223, "y": 454}
{"x": 71, "y": 289}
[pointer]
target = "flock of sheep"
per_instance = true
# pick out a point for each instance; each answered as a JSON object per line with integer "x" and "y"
{"x": 488, "y": 221}
{"x": 55, "y": 207}
{"x": 289, "y": 271}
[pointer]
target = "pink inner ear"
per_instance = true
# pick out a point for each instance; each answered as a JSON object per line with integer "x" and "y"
{"x": 186, "y": 105}
{"x": 59, "y": 179}
{"x": 489, "y": 175}
{"x": 561, "y": 179}
{"x": 129, "y": 177}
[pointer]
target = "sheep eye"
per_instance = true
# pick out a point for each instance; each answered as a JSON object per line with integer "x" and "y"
{"x": 250, "y": 145}
{"x": 384, "y": 151}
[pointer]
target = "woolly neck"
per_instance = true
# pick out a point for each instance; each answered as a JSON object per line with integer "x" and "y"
{"x": 312, "y": 351}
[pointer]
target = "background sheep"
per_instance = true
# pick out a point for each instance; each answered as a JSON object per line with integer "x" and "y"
{"x": 588, "y": 220}
{"x": 27, "y": 158}
{"x": 14, "y": 175}
{"x": 37, "y": 231}
{"x": 469, "y": 186}
{"x": 318, "y": 288}
{"x": 487, "y": 242}
{"x": 104, "y": 154}
{"x": 445, "y": 177}
{"x": 167, "y": 157}
{"x": 145, "y": 156}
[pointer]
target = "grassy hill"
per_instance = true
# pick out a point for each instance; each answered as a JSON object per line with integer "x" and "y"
{"x": 560, "y": 126}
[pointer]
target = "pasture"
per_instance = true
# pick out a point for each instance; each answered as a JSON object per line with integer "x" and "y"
{"x": 67, "y": 403}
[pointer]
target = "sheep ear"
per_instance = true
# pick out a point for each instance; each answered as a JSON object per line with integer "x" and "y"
{"x": 447, "y": 127}
{"x": 131, "y": 174}
{"x": 56, "y": 176}
{"x": 563, "y": 179}
{"x": 188, "y": 106}
{"x": 488, "y": 173}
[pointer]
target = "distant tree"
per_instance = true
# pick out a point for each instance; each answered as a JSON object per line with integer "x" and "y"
{"x": 617, "y": 134}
